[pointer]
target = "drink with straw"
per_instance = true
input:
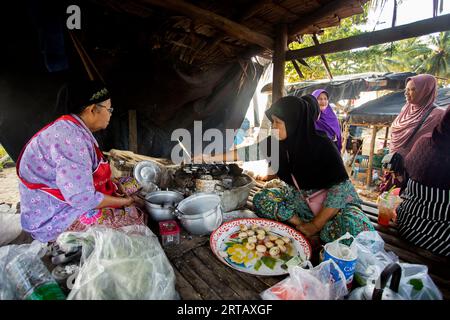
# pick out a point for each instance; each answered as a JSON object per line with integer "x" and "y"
{"x": 387, "y": 202}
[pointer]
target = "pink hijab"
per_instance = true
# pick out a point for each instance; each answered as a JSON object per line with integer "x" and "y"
{"x": 411, "y": 114}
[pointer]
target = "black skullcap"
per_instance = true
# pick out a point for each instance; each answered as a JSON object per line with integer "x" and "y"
{"x": 75, "y": 96}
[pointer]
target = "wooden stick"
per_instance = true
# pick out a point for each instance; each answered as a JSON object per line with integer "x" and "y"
{"x": 416, "y": 29}
{"x": 297, "y": 68}
{"x": 322, "y": 57}
{"x": 82, "y": 57}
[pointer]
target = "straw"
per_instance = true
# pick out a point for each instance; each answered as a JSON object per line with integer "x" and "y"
{"x": 389, "y": 192}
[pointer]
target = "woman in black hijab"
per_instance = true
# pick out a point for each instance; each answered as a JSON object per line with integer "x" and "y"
{"x": 308, "y": 162}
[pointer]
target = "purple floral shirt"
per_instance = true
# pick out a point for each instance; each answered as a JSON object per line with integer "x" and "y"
{"x": 63, "y": 157}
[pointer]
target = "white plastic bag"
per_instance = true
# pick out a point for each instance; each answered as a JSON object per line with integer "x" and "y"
{"x": 313, "y": 284}
{"x": 126, "y": 263}
{"x": 8, "y": 253}
{"x": 416, "y": 284}
{"x": 10, "y": 226}
{"x": 372, "y": 258}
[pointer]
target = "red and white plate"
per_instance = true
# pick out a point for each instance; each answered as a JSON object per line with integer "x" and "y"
{"x": 225, "y": 245}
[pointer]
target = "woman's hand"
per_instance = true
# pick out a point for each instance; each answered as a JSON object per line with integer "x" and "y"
{"x": 307, "y": 228}
{"x": 128, "y": 201}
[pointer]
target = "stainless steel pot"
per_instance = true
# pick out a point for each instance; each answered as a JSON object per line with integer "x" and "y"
{"x": 161, "y": 204}
{"x": 200, "y": 213}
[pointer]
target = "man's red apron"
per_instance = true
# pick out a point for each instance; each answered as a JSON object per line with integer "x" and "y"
{"x": 101, "y": 175}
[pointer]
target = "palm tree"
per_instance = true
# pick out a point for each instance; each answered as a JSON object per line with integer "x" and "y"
{"x": 437, "y": 63}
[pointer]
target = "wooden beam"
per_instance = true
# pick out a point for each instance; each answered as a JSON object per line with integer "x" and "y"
{"x": 322, "y": 57}
{"x": 416, "y": 29}
{"x": 297, "y": 68}
{"x": 232, "y": 28}
{"x": 304, "y": 22}
{"x": 279, "y": 62}
{"x": 261, "y": 5}
{"x": 254, "y": 9}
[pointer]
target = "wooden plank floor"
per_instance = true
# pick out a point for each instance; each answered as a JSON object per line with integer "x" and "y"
{"x": 200, "y": 275}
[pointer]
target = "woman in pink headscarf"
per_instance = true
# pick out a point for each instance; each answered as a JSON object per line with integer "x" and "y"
{"x": 418, "y": 118}
{"x": 420, "y": 94}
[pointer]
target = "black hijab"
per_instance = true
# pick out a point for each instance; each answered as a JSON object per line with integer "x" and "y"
{"x": 314, "y": 159}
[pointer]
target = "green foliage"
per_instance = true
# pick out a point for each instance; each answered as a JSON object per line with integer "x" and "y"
{"x": 429, "y": 55}
{"x": 437, "y": 61}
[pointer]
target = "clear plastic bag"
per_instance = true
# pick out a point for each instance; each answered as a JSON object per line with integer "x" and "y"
{"x": 416, "y": 284}
{"x": 10, "y": 226}
{"x": 372, "y": 258}
{"x": 7, "y": 254}
{"x": 126, "y": 263}
{"x": 309, "y": 284}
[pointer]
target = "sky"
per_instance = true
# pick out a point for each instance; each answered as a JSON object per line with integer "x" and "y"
{"x": 408, "y": 11}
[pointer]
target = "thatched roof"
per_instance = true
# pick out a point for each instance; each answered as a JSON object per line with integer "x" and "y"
{"x": 201, "y": 32}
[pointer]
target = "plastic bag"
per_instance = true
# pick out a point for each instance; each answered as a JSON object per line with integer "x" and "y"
{"x": 416, "y": 284}
{"x": 372, "y": 258}
{"x": 309, "y": 284}
{"x": 126, "y": 263}
{"x": 10, "y": 227}
{"x": 8, "y": 253}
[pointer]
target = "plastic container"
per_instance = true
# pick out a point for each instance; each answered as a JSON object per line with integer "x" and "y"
{"x": 344, "y": 256}
{"x": 170, "y": 232}
{"x": 31, "y": 279}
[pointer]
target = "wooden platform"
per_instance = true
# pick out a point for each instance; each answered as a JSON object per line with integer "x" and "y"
{"x": 200, "y": 275}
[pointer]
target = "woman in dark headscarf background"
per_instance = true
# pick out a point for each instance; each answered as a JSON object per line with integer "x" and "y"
{"x": 315, "y": 163}
{"x": 328, "y": 121}
{"x": 424, "y": 216}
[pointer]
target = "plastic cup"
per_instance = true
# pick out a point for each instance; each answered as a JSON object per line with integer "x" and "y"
{"x": 347, "y": 266}
{"x": 386, "y": 207}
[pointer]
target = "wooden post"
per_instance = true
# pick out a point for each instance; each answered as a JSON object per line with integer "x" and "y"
{"x": 372, "y": 147}
{"x": 386, "y": 136}
{"x": 132, "y": 131}
{"x": 346, "y": 129}
{"x": 279, "y": 62}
